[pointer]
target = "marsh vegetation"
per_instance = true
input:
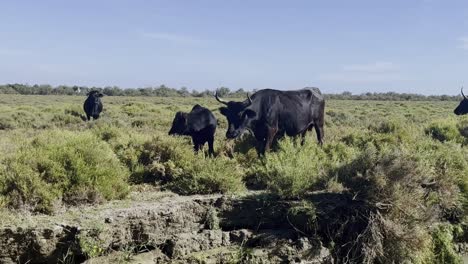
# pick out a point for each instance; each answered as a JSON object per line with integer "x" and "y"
{"x": 395, "y": 172}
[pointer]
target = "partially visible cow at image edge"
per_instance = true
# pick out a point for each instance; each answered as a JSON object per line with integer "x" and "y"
{"x": 462, "y": 108}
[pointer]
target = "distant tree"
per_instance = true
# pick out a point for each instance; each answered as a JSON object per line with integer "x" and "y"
{"x": 44, "y": 89}
{"x": 183, "y": 91}
{"x": 205, "y": 93}
{"x": 223, "y": 91}
{"x": 148, "y": 91}
{"x": 112, "y": 91}
{"x": 164, "y": 91}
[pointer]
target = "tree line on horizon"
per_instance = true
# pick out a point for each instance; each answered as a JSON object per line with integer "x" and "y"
{"x": 164, "y": 91}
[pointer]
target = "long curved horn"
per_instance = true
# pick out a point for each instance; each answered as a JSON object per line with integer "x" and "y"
{"x": 463, "y": 93}
{"x": 250, "y": 99}
{"x": 220, "y": 99}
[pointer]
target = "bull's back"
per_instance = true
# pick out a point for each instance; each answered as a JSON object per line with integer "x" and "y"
{"x": 201, "y": 118}
{"x": 293, "y": 111}
{"x": 308, "y": 94}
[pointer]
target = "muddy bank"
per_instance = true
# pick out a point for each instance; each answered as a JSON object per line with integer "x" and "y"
{"x": 162, "y": 228}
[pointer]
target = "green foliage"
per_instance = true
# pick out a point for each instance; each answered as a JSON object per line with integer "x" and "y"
{"x": 443, "y": 131}
{"x": 6, "y": 123}
{"x": 91, "y": 246}
{"x": 381, "y": 180}
{"x": 302, "y": 217}
{"x": 212, "y": 219}
{"x": 174, "y": 163}
{"x": 444, "y": 250}
{"x": 392, "y": 209}
{"x": 463, "y": 127}
{"x": 61, "y": 164}
{"x": 164, "y": 91}
{"x": 292, "y": 171}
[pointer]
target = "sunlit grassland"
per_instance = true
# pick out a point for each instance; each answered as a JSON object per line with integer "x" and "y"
{"x": 407, "y": 162}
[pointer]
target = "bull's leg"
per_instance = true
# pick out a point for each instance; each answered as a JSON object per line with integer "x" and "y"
{"x": 210, "y": 146}
{"x": 260, "y": 147}
{"x": 196, "y": 144}
{"x": 88, "y": 117}
{"x": 270, "y": 137}
{"x": 320, "y": 133}
{"x": 196, "y": 147}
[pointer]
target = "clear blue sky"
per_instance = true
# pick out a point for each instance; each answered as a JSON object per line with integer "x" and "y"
{"x": 416, "y": 46}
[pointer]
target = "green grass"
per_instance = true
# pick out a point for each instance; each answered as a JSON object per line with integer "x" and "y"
{"x": 406, "y": 163}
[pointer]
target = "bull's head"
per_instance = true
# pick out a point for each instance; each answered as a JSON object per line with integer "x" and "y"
{"x": 462, "y": 108}
{"x": 95, "y": 94}
{"x": 179, "y": 125}
{"x": 238, "y": 114}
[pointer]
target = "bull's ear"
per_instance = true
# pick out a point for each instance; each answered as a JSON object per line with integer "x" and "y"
{"x": 100, "y": 95}
{"x": 250, "y": 113}
{"x": 224, "y": 111}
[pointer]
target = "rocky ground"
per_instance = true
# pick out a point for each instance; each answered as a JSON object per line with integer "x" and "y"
{"x": 161, "y": 227}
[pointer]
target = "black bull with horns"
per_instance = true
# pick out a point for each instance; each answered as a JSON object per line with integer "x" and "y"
{"x": 462, "y": 108}
{"x": 270, "y": 114}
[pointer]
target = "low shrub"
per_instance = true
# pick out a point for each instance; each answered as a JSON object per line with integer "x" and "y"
{"x": 447, "y": 175}
{"x": 444, "y": 130}
{"x": 398, "y": 192}
{"x": 389, "y": 208}
{"x": 302, "y": 217}
{"x": 292, "y": 171}
{"x": 6, "y": 123}
{"x": 173, "y": 162}
{"x": 65, "y": 119}
{"x": 444, "y": 250}
{"x": 386, "y": 126}
{"x": 463, "y": 128}
{"x": 61, "y": 164}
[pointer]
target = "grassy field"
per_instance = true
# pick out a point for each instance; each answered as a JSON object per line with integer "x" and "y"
{"x": 406, "y": 162}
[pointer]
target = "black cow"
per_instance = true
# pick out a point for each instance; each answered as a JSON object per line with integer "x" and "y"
{"x": 269, "y": 114}
{"x": 93, "y": 105}
{"x": 462, "y": 108}
{"x": 200, "y": 124}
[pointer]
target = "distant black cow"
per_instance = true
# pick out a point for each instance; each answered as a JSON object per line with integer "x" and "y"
{"x": 462, "y": 108}
{"x": 93, "y": 105}
{"x": 270, "y": 114}
{"x": 200, "y": 124}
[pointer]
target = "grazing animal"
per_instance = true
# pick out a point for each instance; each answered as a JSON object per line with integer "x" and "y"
{"x": 93, "y": 105}
{"x": 462, "y": 108}
{"x": 269, "y": 114}
{"x": 200, "y": 124}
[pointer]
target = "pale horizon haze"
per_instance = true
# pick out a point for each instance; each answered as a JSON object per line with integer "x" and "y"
{"x": 418, "y": 46}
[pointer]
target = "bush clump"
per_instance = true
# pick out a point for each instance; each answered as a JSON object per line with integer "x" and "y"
{"x": 463, "y": 128}
{"x": 444, "y": 251}
{"x": 292, "y": 171}
{"x": 387, "y": 185}
{"x": 74, "y": 167}
{"x": 173, "y": 162}
{"x": 444, "y": 131}
{"x": 397, "y": 195}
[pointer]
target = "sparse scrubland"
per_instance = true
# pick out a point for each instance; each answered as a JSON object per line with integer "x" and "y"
{"x": 389, "y": 185}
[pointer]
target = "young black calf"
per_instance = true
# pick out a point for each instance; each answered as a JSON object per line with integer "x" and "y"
{"x": 200, "y": 124}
